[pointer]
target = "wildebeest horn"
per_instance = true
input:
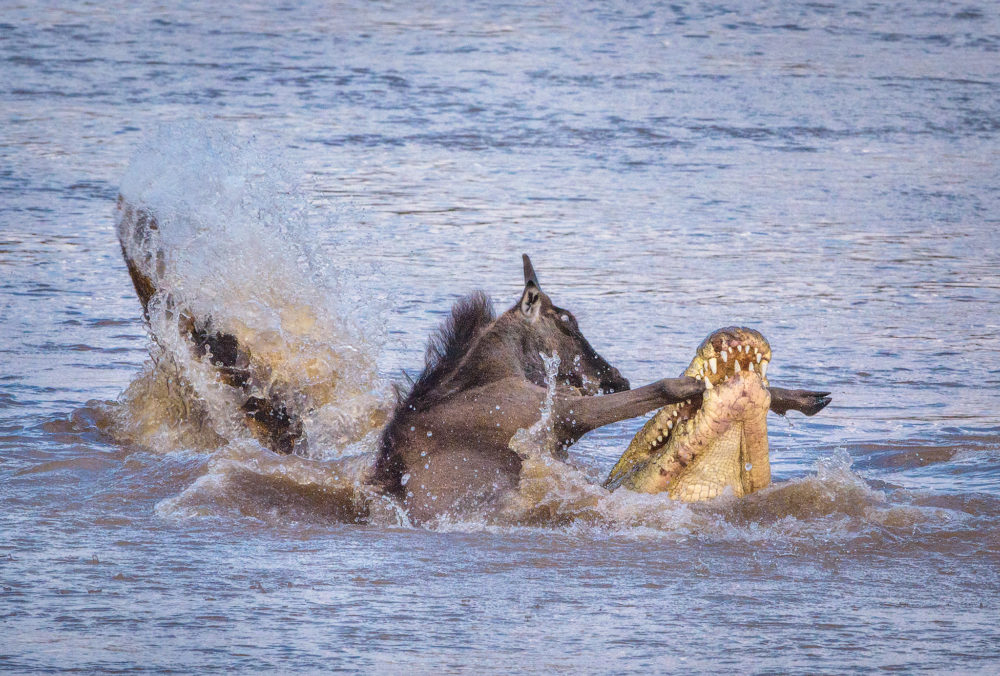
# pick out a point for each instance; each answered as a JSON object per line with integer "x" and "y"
{"x": 529, "y": 272}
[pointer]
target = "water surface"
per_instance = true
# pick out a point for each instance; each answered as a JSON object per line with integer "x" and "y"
{"x": 826, "y": 173}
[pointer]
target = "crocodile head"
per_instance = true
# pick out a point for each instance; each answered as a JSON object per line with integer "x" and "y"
{"x": 696, "y": 450}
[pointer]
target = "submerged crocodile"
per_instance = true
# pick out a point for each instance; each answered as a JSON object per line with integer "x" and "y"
{"x": 697, "y": 450}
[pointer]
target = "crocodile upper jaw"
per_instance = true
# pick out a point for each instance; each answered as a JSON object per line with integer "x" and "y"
{"x": 698, "y": 451}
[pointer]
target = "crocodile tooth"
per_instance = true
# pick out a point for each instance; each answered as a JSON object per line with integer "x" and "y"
{"x": 736, "y": 365}
{"x": 659, "y": 439}
{"x": 725, "y": 356}
{"x": 708, "y": 383}
{"x": 763, "y": 368}
{"x": 750, "y": 366}
{"x": 714, "y": 365}
{"x": 759, "y": 357}
{"x": 670, "y": 424}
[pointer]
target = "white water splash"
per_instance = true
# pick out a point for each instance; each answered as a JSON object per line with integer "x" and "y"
{"x": 540, "y": 439}
{"x": 234, "y": 243}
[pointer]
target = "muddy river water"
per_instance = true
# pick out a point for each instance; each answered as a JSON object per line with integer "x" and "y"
{"x": 826, "y": 173}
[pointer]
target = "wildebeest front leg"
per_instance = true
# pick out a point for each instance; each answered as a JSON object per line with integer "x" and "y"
{"x": 806, "y": 401}
{"x": 578, "y": 415}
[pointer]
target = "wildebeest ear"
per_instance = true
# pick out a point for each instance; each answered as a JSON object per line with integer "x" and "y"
{"x": 531, "y": 301}
{"x": 529, "y": 272}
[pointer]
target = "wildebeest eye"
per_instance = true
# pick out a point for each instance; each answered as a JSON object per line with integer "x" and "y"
{"x": 564, "y": 317}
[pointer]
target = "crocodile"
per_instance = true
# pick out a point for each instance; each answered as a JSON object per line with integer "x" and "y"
{"x": 697, "y": 450}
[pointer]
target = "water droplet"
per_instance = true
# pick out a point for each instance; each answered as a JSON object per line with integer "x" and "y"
{"x": 748, "y": 466}
{"x": 430, "y": 434}
{"x": 406, "y": 477}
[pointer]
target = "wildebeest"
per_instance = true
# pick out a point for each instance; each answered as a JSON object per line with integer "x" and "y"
{"x": 446, "y": 447}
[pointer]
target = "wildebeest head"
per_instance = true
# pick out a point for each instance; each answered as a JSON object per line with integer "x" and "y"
{"x": 580, "y": 365}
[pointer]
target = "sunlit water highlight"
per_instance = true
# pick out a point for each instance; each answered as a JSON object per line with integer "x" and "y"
{"x": 826, "y": 174}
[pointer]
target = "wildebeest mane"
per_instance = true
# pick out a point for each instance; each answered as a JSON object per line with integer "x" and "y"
{"x": 445, "y": 349}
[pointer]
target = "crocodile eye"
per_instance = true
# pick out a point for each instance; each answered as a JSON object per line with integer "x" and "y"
{"x": 564, "y": 317}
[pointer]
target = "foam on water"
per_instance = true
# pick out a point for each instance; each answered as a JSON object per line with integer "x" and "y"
{"x": 831, "y": 505}
{"x": 834, "y": 503}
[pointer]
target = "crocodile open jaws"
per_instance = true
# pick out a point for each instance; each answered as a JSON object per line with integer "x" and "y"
{"x": 697, "y": 450}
